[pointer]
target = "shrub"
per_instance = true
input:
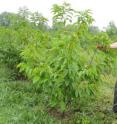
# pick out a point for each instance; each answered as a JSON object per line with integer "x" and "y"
{"x": 60, "y": 65}
{"x": 61, "y": 68}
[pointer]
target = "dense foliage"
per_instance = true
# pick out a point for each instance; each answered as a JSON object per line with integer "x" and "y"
{"x": 62, "y": 61}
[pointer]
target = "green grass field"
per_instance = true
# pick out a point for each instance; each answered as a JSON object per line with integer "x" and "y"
{"x": 22, "y": 103}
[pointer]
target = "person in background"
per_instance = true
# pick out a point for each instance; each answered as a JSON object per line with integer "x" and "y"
{"x": 112, "y": 46}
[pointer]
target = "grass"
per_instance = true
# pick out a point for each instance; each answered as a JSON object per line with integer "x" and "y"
{"x": 21, "y": 103}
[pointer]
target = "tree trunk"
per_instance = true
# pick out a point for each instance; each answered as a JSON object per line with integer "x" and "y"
{"x": 115, "y": 99}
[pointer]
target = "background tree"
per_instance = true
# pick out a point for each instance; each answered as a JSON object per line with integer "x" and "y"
{"x": 39, "y": 21}
{"x": 24, "y": 12}
{"x": 111, "y": 30}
